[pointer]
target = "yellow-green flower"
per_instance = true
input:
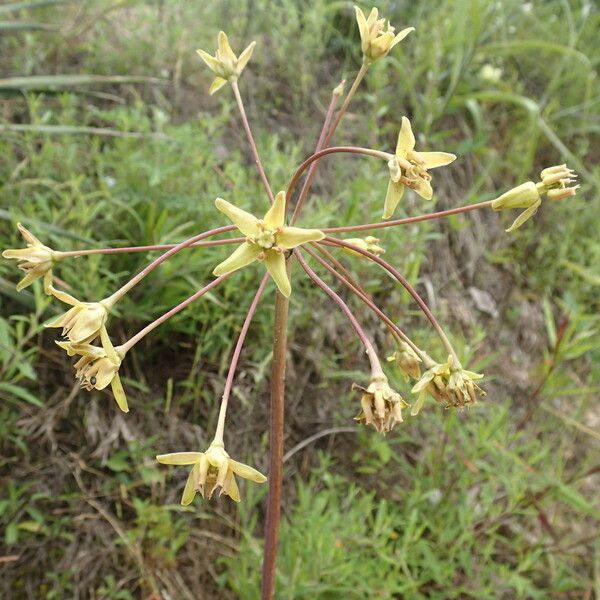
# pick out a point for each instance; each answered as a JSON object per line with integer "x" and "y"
{"x": 555, "y": 184}
{"x": 409, "y": 168}
{"x": 267, "y": 240}
{"x": 375, "y": 38}
{"x": 36, "y": 260}
{"x": 449, "y": 384}
{"x": 99, "y": 366}
{"x": 381, "y": 406}
{"x": 225, "y": 64}
{"x": 369, "y": 243}
{"x": 211, "y": 470}
{"x": 82, "y": 323}
{"x": 408, "y": 361}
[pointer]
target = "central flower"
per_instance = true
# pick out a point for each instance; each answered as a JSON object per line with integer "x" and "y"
{"x": 267, "y": 239}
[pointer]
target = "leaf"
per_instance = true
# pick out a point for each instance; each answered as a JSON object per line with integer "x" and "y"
{"x": 21, "y": 393}
{"x": 55, "y": 82}
{"x": 14, "y": 6}
{"x": 587, "y": 275}
{"x": 25, "y": 26}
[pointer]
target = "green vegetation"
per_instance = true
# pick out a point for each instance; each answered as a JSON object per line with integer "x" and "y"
{"x": 108, "y": 137}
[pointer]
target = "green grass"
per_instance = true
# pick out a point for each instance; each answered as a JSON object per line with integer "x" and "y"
{"x": 492, "y": 503}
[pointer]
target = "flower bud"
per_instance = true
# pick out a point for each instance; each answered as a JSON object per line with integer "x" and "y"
{"x": 408, "y": 361}
{"x": 369, "y": 244}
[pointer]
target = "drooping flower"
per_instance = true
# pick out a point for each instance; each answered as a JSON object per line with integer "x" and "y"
{"x": 82, "y": 323}
{"x": 225, "y": 64}
{"x": 369, "y": 243}
{"x": 408, "y": 361}
{"x": 409, "y": 168}
{"x": 267, "y": 240}
{"x": 211, "y": 470}
{"x": 98, "y": 366}
{"x": 36, "y": 260}
{"x": 381, "y": 406}
{"x": 376, "y": 39}
{"x": 555, "y": 184}
{"x": 449, "y": 384}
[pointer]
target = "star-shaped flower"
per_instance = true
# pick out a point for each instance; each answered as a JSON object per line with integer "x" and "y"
{"x": 225, "y": 64}
{"x": 409, "y": 168}
{"x": 211, "y": 470}
{"x": 267, "y": 240}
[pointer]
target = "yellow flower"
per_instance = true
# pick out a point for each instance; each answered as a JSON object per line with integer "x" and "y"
{"x": 409, "y": 168}
{"x": 82, "y": 323}
{"x": 554, "y": 184}
{"x": 381, "y": 406}
{"x": 36, "y": 260}
{"x": 267, "y": 239}
{"x": 225, "y": 64}
{"x": 99, "y": 366}
{"x": 377, "y": 40}
{"x": 369, "y": 243}
{"x": 449, "y": 384}
{"x": 408, "y": 361}
{"x": 211, "y": 470}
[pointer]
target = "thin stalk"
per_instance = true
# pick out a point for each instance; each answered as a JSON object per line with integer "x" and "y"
{"x": 253, "y": 148}
{"x": 280, "y": 328}
{"x": 310, "y": 176}
{"x": 369, "y": 349}
{"x": 333, "y": 150}
{"x": 396, "y": 331}
{"x": 407, "y": 220}
{"x": 142, "y": 333}
{"x": 407, "y": 286}
{"x": 77, "y": 253}
{"x": 236, "y": 357}
{"x": 157, "y": 261}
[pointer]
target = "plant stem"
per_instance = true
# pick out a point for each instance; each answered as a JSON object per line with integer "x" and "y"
{"x": 407, "y": 220}
{"x": 407, "y": 286}
{"x": 310, "y": 176}
{"x": 370, "y": 350}
{"x": 235, "y": 358}
{"x": 76, "y": 253}
{"x": 157, "y": 261}
{"x": 253, "y": 148}
{"x": 140, "y": 334}
{"x": 280, "y": 328}
{"x": 333, "y": 150}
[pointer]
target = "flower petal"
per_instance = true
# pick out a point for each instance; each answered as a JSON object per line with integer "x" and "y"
{"x": 64, "y": 297}
{"x": 88, "y": 323}
{"x": 401, "y": 35}
{"x": 189, "y": 491}
{"x": 247, "y": 223}
{"x": 362, "y": 25}
{"x": 119, "y": 393}
{"x": 180, "y": 458}
{"x": 105, "y": 374}
{"x": 275, "y": 263}
{"x": 216, "y": 85}
{"x": 524, "y": 216}
{"x": 406, "y": 138}
{"x": 224, "y": 48}
{"x": 436, "y": 159}
{"x": 418, "y": 405}
{"x": 290, "y": 237}
{"x": 246, "y": 471}
{"x": 31, "y": 276}
{"x": 243, "y": 255}
{"x": 108, "y": 346}
{"x": 30, "y": 238}
{"x": 423, "y": 188}
{"x": 245, "y": 56}
{"x": 275, "y": 216}
{"x": 213, "y": 64}
{"x": 230, "y": 487}
{"x": 394, "y": 194}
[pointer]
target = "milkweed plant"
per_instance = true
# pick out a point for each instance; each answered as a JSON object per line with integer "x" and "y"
{"x": 275, "y": 241}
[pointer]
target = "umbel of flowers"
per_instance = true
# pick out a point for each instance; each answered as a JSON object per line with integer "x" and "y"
{"x": 276, "y": 242}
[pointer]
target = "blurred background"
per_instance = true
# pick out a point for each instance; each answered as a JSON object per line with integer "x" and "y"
{"x": 108, "y": 137}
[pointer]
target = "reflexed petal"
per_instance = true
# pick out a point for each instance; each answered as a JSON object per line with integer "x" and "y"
{"x": 395, "y": 191}
{"x": 119, "y": 393}
{"x": 401, "y": 35}
{"x": 29, "y": 254}
{"x": 216, "y": 85}
{"x": 275, "y": 263}
{"x": 224, "y": 47}
{"x": 373, "y": 16}
{"x": 245, "y": 56}
{"x": 290, "y": 237}
{"x": 244, "y": 221}
{"x": 63, "y": 319}
{"x": 362, "y": 24}
{"x": 27, "y": 280}
{"x": 246, "y": 471}
{"x": 230, "y": 488}
{"x": 275, "y": 216}
{"x": 243, "y": 255}
{"x": 418, "y": 405}
{"x": 436, "y": 159}
{"x": 406, "y": 138}
{"x": 64, "y": 297}
{"x": 213, "y": 64}
{"x": 189, "y": 491}
{"x": 524, "y": 216}
{"x": 108, "y": 347}
{"x": 29, "y": 237}
{"x": 423, "y": 188}
{"x": 180, "y": 458}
